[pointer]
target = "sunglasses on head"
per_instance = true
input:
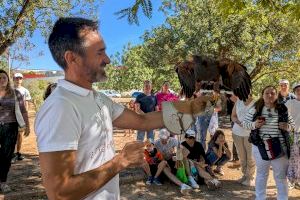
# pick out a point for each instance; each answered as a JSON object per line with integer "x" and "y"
{"x": 269, "y": 114}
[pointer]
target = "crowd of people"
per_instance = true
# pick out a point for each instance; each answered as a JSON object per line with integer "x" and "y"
{"x": 273, "y": 119}
{"x": 75, "y": 141}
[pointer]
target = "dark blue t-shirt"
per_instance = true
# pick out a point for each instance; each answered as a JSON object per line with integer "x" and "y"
{"x": 147, "y": 103}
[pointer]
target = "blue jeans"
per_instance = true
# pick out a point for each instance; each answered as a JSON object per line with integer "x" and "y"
{"x": 213, "y": 159}
{"x": 202, "y": 125}
{"x": 141, "y": 135}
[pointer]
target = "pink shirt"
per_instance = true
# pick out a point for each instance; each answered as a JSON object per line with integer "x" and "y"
{"x": 165, "y": 97}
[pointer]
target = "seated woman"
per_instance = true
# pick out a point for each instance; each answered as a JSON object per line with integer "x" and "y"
{"x": 154, "y": 164}
{"x": 218, "y": 153}
{"x": 166, "y": 145}
{"x": 196, "y": 158}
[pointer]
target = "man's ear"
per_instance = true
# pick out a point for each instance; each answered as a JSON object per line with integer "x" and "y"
{"x": 71, "y": 58}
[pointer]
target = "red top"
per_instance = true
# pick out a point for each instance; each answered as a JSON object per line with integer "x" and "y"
{"x": 154, "y": 157}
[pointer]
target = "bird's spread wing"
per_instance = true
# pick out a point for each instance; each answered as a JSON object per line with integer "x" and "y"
{"x": 235, "y": 76}
{"x": 185, "y": 72}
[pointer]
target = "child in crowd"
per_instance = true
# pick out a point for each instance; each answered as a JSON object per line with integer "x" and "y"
{"x": 154, "y": 165}
{"x": 218, "y": 153}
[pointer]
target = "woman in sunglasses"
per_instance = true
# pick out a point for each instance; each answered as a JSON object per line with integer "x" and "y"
{"x": 269, "y": 123}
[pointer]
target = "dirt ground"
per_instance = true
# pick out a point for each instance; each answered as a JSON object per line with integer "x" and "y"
{"x": 25, "y": 179}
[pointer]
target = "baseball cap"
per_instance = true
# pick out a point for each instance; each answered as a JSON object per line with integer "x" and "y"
{"x": 164, "y": 134}
{"x": 296, "y": 85}
{"x": 284, "y": 81}
{"x": 190, "y": 133}
{"x": 18, "y": 75}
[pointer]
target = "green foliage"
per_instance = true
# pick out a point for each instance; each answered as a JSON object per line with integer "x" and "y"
{"x": 19, "y": 19}
{"x": 265, "y": 40}
{"x": 132, "y": 12}
{"x": 37, "y": 89}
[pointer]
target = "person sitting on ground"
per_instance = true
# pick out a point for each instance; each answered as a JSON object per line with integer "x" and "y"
{"x": 218, "y": 153}
{"x": 166, "y": 145}
{"x": 154, "y": 164}
{"x": 196, "y": 159}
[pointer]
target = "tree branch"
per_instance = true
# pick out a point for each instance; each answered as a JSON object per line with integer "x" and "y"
{"x": 269, "y": 72}
{"x": 11, "y": 37}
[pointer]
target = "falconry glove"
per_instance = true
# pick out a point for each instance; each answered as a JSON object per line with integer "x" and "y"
{"x": 179, "y": 116}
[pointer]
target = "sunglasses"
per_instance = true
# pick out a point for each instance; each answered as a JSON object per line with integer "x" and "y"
{"x": 269, "y": 114}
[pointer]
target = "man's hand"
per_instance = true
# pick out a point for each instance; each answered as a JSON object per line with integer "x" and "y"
{"x": 132, "y": 154}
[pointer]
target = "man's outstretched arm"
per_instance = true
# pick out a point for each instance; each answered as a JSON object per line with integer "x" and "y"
{"x": 62, "y": 184}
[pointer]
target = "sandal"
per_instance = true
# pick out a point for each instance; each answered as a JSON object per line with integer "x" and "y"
{"x": 210, "y": 185}
{"x": 213, "y": 184}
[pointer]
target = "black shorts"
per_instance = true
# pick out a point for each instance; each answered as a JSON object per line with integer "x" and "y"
{"x": 153, "y": 169}
{"x": 172, "y": 163}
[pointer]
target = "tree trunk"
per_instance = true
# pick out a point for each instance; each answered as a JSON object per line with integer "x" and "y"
{"x": 9, "y": 36}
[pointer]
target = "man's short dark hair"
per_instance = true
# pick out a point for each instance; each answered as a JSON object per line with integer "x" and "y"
{"x": 66, "y": 36}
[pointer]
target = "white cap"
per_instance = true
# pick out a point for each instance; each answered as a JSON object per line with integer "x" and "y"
{"x": 190, "y": 133}
{"x": 164, "y": 134}
{"x": 295, "y": 86}
{"x": 18, "y": 75}
{"x": 284, "y": 81}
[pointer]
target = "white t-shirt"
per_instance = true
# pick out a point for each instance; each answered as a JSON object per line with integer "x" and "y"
{"x": 293, "y": 106}
{"x": 241, "y": 111}
{"x": 24, "y": 92}
{"x": 74, "y": 118}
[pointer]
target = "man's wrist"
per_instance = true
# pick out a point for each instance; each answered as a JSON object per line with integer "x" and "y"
{"x": 118, "y": 163}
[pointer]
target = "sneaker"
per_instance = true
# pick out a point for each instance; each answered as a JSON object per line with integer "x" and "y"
{"x": 184, "y": 189}
{"x": 19, "y": 156}
{"x": 156, "y": 181}
{"x": 149, "y": 180}
{"x": 14, "y": 159}
{"x": 5, "y": 188}
{"x": 217, "y": 183}
{"x": 248, "y": 182}
{"x": 241, "y": 179}
{"x": 219, "y": 171}
{"x": 213, "y": 184}
{"x": 193, "y": 183}
{"x": 297, "y": 186}
{"x": 291, "y": 185}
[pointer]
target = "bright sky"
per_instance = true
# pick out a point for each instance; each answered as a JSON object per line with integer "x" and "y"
{"x": 116, "y": 33}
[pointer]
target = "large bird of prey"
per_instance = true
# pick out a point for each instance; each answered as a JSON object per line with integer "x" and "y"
{"x": 224, "y": 74}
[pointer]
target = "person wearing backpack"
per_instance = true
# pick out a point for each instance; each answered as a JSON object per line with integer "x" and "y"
{"x": 269, "y": 123}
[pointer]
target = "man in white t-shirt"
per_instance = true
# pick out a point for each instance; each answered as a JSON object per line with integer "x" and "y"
{"x": 18, "y": 80}
{"x": 74, "y": 126}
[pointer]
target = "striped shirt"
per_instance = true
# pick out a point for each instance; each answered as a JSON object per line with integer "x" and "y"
{"x": 7, "y": 108}
{"x": 270, "y": 128}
